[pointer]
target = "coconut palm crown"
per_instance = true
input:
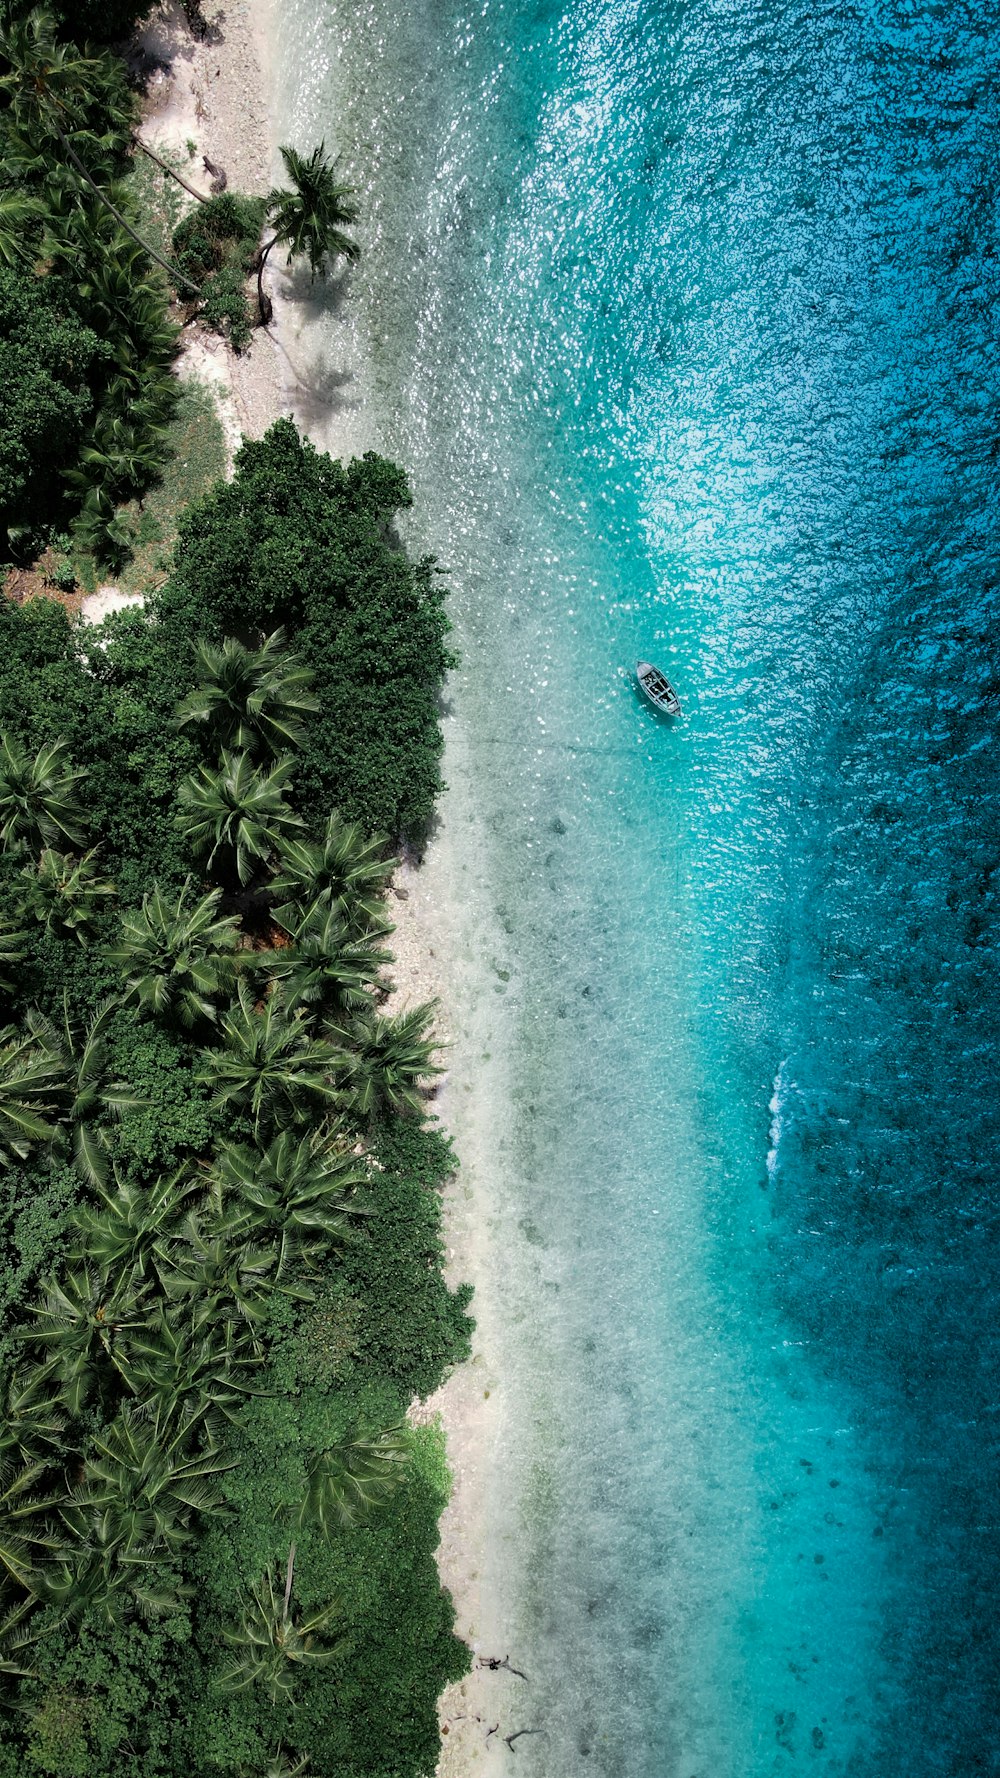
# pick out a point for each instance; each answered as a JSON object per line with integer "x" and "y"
{"x": 309, "y": 216}
{"x": 252, "y": 699}
{"x": 67, "y": 893}
{"x": 91, "y": 1096}
{"x": 239, "y": 811}
{"x": 326, "y": 966}
{"x": 348, "y": 869}
{"x": 38, "y": 802}
{"x": 268, "y": 1066}
{"x": 386, "y": 1060}
{"x": 31, "y": 1082}
{"x": 271, "y": 1643}
{"x": 177, "y": 954}
{"x": 299, "y": 1192}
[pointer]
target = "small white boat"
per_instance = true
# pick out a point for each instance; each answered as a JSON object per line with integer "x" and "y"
{"x": 657, "y": 688}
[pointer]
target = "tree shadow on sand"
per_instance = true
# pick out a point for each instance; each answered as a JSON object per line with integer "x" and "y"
{"x": 320, "y": 389}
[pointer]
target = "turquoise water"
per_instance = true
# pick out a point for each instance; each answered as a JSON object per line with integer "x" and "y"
{"x": 683, "y": 318}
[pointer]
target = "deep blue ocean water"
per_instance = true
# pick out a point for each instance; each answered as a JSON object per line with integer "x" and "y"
{"x": 685, "y": 321}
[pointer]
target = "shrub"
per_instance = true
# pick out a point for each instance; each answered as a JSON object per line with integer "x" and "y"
{"x": 48, "y": 362}
{"x": 215, "y": 245}
{"x": 300, "y": 540}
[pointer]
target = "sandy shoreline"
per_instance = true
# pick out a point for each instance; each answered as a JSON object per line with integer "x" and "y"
{"x": 222, "y": 96}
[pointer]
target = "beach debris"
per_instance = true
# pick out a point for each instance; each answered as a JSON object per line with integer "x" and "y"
{"x": 516, "y": 1736}
{"x": 217, "y": 175}
{"x": 493, "y": 1663}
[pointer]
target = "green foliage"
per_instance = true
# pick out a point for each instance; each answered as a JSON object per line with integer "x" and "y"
{"x": 236, "y": 812}
{"x": 67, "y": 894}
{"x": 268, "y": 1067}
{"x": 412, "y": 1327}
{"x": 176, "y": 952}
{"x": 88, "y": 344}
{"x": 249, "y": 698}
{"x": 299, "y": 540}
{"x": 220, "y": 1247}
{"x": 215, "y": 245}
{"x": 49, "y": 364}
{"x": 310, "y": 214}
{"x": 38, "y": 801}
{"x": 344, "y": 867}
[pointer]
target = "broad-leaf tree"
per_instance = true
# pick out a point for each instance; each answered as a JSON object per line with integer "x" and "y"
{"x": 251, "y": 699}
{"x": 237, "y": 811}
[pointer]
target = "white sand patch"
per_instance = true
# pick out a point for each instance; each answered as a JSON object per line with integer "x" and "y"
{"x": 97, "y": 606}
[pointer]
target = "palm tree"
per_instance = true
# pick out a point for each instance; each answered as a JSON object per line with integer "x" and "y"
{"x": 352, "y": 872}
{"x": 99, "y": 1573}
{"x": 30, "y": 1085}
{"x": 84, "y": 1065}
{"x": 279, "y": 1765}
{"x": 273, "y": 1644}
{"x": 66, "y": 893}
{"x": 176, "y": 954}
{"x": 187, "y": 1365}
{"x": 238, "y": 810}
{"x": 15, "y": 1638}
{"x": 385, "y": 1060}
{"x": 250, "y": 698}
{"x": 13, "y": 948}
{"x": 269, "y": 1067}
{"x": 139, "y": 1475}
{"x": 49, "y": 88}
{"x": 325, "y": 966}
{"x": 309, "y": 218}
{"x": 80, "y": 1324}
{"x": 33, "y": 1425}
{"x": 23, "y": 1525}
{"x": 130, "y": 1226}
{"x": 38, "y": 804}
{"x": 299, "y": 1191}
{"x": 203, "y": 1264}
{"x": 348, "y": 1481}
{"x": 19, "y": 215}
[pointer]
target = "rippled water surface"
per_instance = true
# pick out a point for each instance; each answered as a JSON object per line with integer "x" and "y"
{"x": 684, "y": 319}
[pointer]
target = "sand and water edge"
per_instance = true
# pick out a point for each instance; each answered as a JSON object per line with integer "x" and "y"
{"x": 222, "y": 94}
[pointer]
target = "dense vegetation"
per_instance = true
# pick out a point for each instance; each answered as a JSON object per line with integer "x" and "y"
{"x": 88, "y": 345}
{"x": 220, "y": 1255}
{"x": 216, "y": 246}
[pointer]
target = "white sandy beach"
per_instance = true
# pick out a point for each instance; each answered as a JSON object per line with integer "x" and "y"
{"x": 222, "y": 95}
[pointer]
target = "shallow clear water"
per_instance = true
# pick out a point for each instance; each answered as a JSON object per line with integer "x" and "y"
{"x": 683, "y": 318}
